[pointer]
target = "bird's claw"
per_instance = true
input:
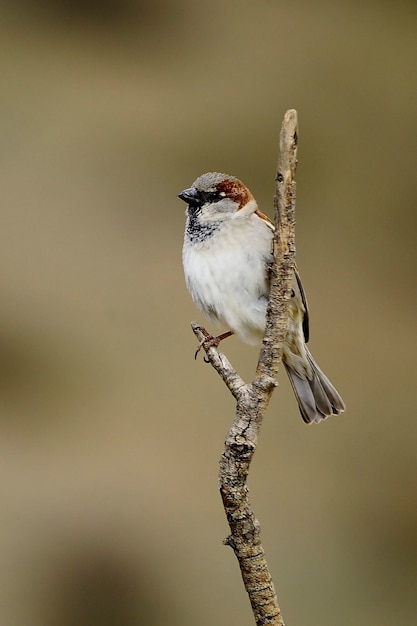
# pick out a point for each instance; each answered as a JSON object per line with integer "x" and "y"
{"x": 213, "y": 342}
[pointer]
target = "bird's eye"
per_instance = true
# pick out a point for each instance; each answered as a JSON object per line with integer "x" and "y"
{"x": 215, "y": 196}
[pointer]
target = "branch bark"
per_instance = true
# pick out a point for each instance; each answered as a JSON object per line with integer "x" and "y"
{"x": 252, "y": 399}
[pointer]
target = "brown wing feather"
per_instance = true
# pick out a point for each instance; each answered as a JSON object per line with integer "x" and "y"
{"x": 265, "y": 219}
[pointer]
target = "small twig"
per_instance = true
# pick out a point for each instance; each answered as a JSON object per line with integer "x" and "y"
{"x": 252, "y": 399}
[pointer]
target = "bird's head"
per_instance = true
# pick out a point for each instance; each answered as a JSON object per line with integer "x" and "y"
{"x": 217, "y": 197}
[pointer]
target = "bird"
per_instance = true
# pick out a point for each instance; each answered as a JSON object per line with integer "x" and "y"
{"x": 227, "y": 254}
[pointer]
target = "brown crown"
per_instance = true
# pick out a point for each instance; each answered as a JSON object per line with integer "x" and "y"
{"x": 236, "y": 191}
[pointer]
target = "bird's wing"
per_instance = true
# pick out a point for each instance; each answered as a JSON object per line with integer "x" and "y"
{"x": 265, "y": 219}
{"x": 306, "y": 329}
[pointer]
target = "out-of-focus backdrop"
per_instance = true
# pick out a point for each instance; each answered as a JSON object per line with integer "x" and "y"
{"x": 110, "y": 432}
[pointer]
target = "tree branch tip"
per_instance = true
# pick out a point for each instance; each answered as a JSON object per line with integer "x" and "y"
{"x": 290, "y": 116}
{"x": 291, "y": 113}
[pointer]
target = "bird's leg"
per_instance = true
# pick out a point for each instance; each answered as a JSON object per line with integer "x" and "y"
{"x": 213, "y": 341}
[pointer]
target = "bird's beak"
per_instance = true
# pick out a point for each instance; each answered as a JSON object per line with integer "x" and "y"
{"x": 190, "y": 196}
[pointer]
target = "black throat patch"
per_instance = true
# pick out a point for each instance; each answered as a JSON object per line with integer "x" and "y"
{"x": 196, "y": 230}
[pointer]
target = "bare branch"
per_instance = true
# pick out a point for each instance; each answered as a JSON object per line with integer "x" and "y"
{"x": 252, "y": 399}
{"x": 284, "y": 249}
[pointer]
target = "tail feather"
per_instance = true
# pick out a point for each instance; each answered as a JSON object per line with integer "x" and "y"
{"x": 338, "y": 406}
{"x": 316, "y": 396}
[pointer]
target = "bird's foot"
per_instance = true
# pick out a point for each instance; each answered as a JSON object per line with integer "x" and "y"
{"x": 211, "y": 342}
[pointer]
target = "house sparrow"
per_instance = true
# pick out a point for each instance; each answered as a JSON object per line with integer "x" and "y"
{"x": 226, "y": 256}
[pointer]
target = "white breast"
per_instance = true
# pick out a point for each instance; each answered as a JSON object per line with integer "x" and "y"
{"x": 226, "y": 275}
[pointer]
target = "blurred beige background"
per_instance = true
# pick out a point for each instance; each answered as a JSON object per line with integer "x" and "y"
{"x": 110, "y": 432}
